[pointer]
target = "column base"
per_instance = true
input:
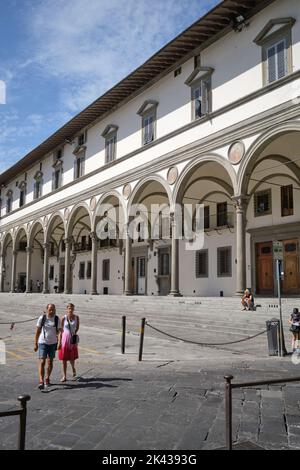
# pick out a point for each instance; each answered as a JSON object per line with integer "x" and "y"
{"x": 94, "y": 293}
{"x": 128, "y": 293}
{"x": 67, "y": 292}
{"x": 175, "y": 294}
{"x": 46, "y": 291}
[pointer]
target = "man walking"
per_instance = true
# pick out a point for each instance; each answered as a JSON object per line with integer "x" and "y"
{"x": 47, "y": 341}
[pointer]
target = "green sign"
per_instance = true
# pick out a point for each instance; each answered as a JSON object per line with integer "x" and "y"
{"x": 278, "y": 250}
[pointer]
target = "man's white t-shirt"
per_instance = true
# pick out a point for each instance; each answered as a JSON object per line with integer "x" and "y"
{"x": 48, "y": 334}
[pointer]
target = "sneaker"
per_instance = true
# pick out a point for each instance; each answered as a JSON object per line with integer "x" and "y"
{"x": 41, "y": 386}
{"x": 47, "y": 383}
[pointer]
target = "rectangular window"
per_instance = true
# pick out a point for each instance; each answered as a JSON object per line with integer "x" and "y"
{"x": 79, "y": 165}
{"x": 164, "y": 268}
{"x": 82, "y": 139}
{"x": 51, "y": 273}
{"x": 22, "y": 198}
{"x": 52, "y": 249}
{"x": 262, "y": 203}
{"x": 206, "y": 217}
{"x": 37, "y": 189}
{"x": 105, "y": 269}
{"x": 287, "y": 201}
{"x": 148, "y": 128}
{"x": 110, "y": 149}
{"x": 222, "y": 218}
{"x": 224, "y": 262}
{"x": 56, "y": 179}
{"x": 277, "y": 61}
{"x": 8, "y": 205}
{"x": 202, "y": 263}
{"x": 89, "y": 270}
{"x": 200, "y": 98}
{"x": 83, "y": 243}
{"x": 81, "y": 270}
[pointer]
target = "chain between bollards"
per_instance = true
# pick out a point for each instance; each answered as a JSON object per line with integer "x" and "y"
{"x": 123, "y": 334}
{"x": 142, "y": 333}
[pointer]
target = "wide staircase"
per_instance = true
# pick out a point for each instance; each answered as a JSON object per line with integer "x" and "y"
{"x": 200, "y": 319}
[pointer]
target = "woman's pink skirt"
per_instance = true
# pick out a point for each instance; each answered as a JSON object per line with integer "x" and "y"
{"x": 68, "y": 351}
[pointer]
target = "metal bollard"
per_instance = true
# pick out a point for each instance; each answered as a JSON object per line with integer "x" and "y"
{"x": 228, "y": 411}
{"x": 23, "y": 414}
{"x": 142, "y": 339}
{"x": 123, "y": 334}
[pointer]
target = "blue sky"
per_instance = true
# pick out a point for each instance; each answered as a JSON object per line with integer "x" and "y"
{"x": 57, "y": 56}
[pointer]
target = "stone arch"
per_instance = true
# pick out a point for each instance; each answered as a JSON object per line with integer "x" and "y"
{"x": 260, "y": 144}
{"x": 72, "y": 217}
{"x": 197, "y": 163}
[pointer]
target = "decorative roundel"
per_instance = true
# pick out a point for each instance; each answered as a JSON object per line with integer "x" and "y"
{"x": 236, "y": 152}
{"x": 67, "y": 213}
{"x": 127, "y": 191}
{"x": 172, "y": 175}
{"x": 93, "y": 203}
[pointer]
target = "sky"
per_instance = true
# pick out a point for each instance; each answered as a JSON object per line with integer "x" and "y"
{"x": 57, "y": 56}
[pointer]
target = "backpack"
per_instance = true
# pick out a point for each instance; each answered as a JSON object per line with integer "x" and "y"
{"x": 44, "y": 321}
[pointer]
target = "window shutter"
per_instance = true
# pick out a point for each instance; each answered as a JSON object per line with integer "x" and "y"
{"x": 53, "y": 181}
{"x": 82, "y": 165}
{"x": 75, "y": 169}
{"x": 281, "y": 58}
{"x": 272, "y": 64}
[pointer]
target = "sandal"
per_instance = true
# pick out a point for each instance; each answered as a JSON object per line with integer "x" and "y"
{"x": 63, "y": 379}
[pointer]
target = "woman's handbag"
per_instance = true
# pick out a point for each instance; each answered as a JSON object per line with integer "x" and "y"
{"x": 74, "y": 339}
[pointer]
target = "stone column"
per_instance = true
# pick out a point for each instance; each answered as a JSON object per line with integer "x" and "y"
{"x": 240, "y": 206}
{"x": 13, "y": 270}
{"x": 174, "y": 259}
{"x": 68, "y": 242}
{"x": 128, "y": 263}
{"x": 29, "y": 252}
{"x": 94, "y": 273}
{"x": 46, "y": 269}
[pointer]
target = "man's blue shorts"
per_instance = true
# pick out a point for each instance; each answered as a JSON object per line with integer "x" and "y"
{"x": 47, "y": 350}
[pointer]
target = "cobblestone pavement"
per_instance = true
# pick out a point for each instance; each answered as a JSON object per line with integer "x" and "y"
{"x": 173, "y": 399}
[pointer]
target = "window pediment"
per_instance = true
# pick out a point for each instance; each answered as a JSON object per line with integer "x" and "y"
{"x": 199, "y": 74}
{"x": 110, "y": 129}
{"x": 79, "y": 150}
{"x": 274, "y": 26}
{"x": 148, "y": 105}
{"x": 22, "y": 185}
{"x": 38, "y": 176}
{"x": 57, "y": 164}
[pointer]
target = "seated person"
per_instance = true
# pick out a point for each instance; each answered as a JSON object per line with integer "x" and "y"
{"x": 247, "y": 300}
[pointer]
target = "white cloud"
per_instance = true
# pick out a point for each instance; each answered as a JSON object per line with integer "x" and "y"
{"x": 92, "y": 45}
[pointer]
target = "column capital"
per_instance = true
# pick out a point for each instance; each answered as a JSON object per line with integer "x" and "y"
{"x": 94, "y": 236}
{"x": 68, "y": 240}
{"x": 46, "y": 246}
{"x": 15, "y": 252}
{"x": 29, "y": 250}
{"x": 240, "y": 202}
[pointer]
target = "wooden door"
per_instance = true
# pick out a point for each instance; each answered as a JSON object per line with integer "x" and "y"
{"x": 290, "y": 283}
{"x": 264, "y": 268}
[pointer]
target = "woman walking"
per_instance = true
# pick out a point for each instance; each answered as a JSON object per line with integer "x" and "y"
{"x": 69, "y": 350}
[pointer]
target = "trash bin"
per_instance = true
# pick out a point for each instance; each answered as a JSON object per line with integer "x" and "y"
{"x": 273, "y": 336}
